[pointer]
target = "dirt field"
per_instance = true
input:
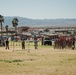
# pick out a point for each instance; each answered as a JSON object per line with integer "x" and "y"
{"x": 43, "y": 61}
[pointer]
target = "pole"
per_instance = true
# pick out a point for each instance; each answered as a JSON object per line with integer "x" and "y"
{"x": 13, "y": 42}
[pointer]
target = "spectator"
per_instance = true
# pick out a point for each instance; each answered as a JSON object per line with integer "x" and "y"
{"x": 23, "y": 44}
{"x": 7, "y": 43}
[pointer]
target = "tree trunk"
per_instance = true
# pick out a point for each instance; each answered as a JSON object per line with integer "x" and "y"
{"x": 16, "y": 32}
{"x": 1, "y": 33}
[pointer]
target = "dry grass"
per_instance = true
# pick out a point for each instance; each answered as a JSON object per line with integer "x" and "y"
{"x": 43, "y": 61}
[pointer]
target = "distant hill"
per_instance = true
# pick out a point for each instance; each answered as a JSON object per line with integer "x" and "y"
{"x": 41, "y": 22}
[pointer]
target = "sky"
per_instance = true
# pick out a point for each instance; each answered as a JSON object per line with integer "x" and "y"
{"x": 39, "y": 9}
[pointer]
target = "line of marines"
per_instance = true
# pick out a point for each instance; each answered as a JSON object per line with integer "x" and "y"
{"x": 64, "y": 42}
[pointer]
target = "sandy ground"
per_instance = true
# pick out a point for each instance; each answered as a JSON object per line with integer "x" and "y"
{"x": 43, "y": 61}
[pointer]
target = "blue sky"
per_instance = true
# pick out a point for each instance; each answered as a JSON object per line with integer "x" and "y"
{"x": 39, "y": 9}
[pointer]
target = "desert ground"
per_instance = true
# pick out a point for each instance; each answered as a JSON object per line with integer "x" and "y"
{"x": 42, "y": 61}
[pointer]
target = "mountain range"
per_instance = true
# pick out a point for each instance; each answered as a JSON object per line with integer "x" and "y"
{"x": 40, "y": 22}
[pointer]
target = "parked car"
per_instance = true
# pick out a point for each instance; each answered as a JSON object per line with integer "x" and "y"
{"x": 47, "y": 41}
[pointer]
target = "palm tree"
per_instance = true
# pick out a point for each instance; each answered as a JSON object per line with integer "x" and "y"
{"x": 6, "y": 30}
{"x": 15, "y": 23}
{"x": 1, "y": 20}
